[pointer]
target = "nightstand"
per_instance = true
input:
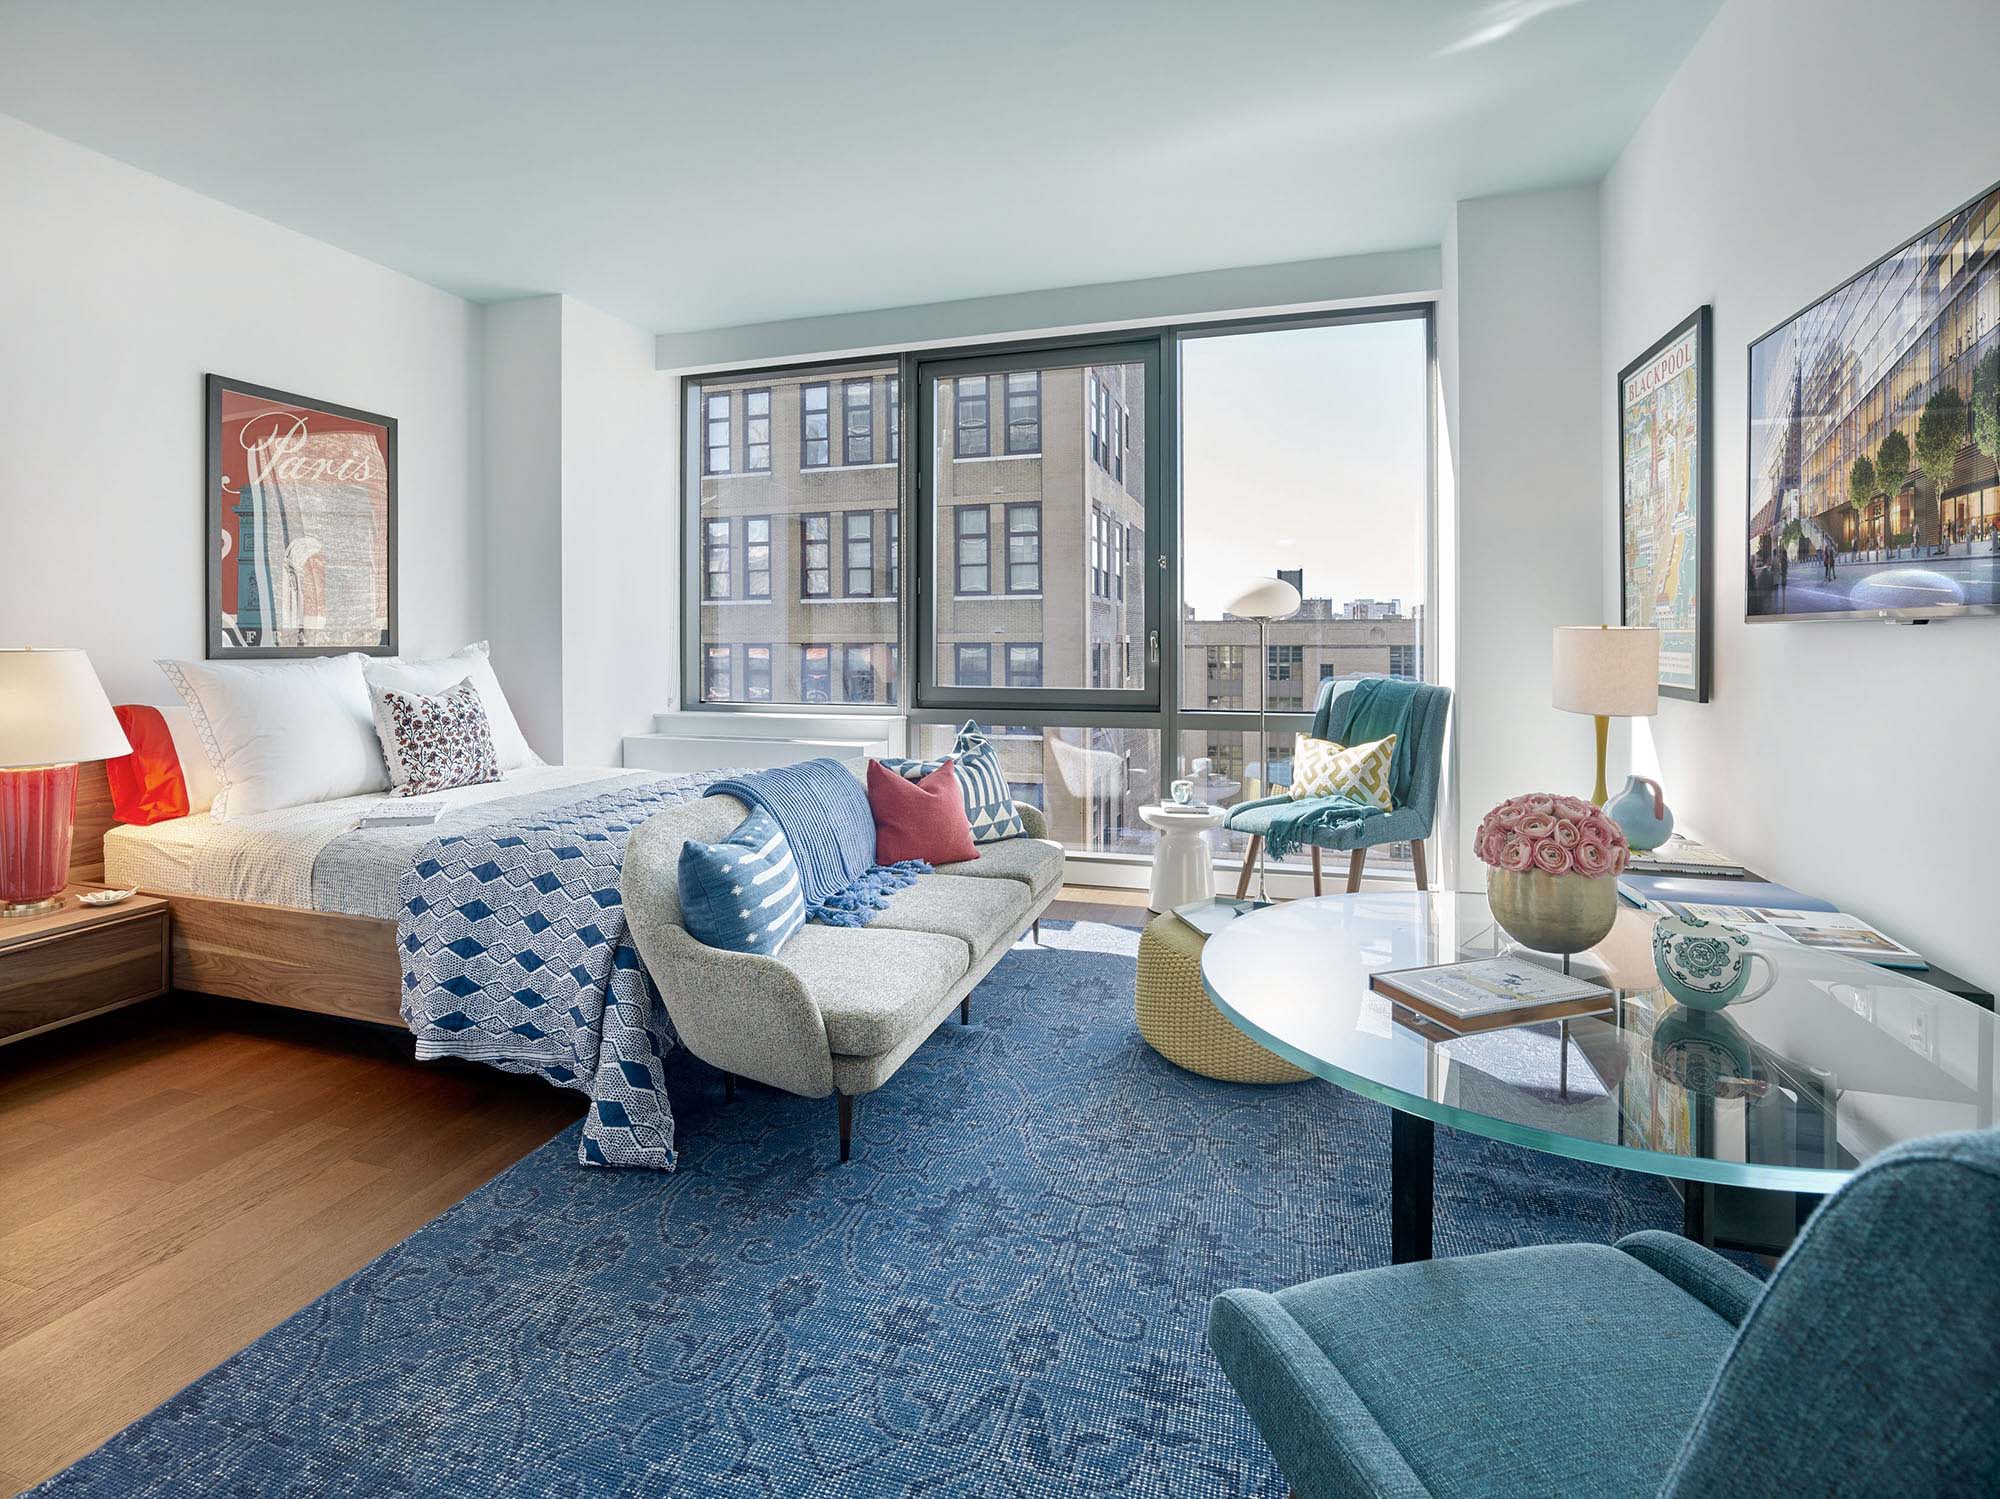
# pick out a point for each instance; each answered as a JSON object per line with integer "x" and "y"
{"x": 79, "y": 961}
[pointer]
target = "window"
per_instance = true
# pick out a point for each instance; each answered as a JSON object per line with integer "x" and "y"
{"x": 858, "y": 397}
{"x": 761, "y": 582}
{"x": 756, "y": 674}
{"x": 858, "y": 674}
{"x": 715, "y": 676}
{"x": 1284, "y": 670}
{"x": 1121, "y": 442}
{"x": 1118, "y": 559}
{"x": 816, "y": 673}
{"x": 894, "y": 411}
{"x": 815, "y": 556}
{"x": 970, "y": 404}
{"x": 1024, "y": 551}
{"x": 1024, "y": 411}
{"x": 814, "y": 442}
{"x": 1096, "y": 415}
{"x": 1403, "y": 661}
{"x": 1024, "y": 664}
{"x": 860, "y": 554}
{"x": 716, "y": 459}
{"x": 974, "y": 665}
{"x": 715, "y": 559}
{"x": 757, "y": 431}
{"x": 971, "y": 549}
{"x": 757, "y": 560}
{"x": 1100, "y": 563}
{"x": 894, "y": 574}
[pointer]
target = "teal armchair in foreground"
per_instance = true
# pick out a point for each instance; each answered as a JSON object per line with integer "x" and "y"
{"x": 1415, "y": 798}
{"x": 1868, "y": 1365}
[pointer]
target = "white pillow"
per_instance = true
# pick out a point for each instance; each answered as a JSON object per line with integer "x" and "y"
{"x": 429, "y": 678}
{"x": 282, "y": 733}
{"x": 196, "y": 772}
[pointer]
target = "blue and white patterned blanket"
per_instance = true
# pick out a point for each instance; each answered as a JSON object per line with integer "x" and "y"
{"x": 516, "y": 953}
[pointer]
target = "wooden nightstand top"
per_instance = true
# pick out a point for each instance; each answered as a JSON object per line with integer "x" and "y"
{"x": 74, "y": 916}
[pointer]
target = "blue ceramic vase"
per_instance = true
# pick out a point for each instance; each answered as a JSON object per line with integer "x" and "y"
{"x": 1641, "y": 811}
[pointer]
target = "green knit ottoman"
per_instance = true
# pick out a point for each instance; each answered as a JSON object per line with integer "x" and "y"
{"x": 1178, "y": 1021}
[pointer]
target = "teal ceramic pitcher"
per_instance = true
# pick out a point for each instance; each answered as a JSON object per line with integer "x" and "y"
{"x": 1641, "y": 810}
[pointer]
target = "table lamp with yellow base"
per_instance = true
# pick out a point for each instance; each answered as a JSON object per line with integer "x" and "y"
{"x": 1607, "y": 671}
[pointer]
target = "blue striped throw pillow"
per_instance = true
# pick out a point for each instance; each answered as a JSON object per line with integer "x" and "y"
{"x": 742, "y": 894}
{"x": 989, "y": 801}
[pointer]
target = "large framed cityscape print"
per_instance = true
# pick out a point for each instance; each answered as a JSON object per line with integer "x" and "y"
{"x": 1664, "y": 543}
{"x": 300, "y": 531}
{"x": 1874, "y": 431}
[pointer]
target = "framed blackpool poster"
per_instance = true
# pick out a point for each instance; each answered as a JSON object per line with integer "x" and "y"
{"x": 301, "y": 525}
{"x": 1665, "y": 548}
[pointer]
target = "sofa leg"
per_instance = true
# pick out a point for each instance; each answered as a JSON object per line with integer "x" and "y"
{"x": 729, "y": 1087}
{"x": 846, "y": 1125}
{"x": 1038, "y": 931}
{"x": 965, "y": 1010}
{"x": 1249, "y": 863}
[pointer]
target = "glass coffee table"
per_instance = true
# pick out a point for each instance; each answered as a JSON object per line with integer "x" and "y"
{"x": 1790, "y": 1092}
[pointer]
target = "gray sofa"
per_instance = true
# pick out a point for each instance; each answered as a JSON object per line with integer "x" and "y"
{"x": 837, "y": 1009}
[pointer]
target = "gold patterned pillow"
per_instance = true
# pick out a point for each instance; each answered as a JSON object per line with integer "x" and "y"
{"x": 1322, "y": 768}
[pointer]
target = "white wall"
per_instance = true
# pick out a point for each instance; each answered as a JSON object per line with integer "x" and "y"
{"x": 620, "y": 559}
{"x": 522, "y": 535}
{"x": 1799, "y": 141}
{"x": 118, "y": 292}
{"x": 1518, "y": 360}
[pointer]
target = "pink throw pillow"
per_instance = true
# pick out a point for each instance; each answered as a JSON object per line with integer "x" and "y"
{"x": 919, "y": 819}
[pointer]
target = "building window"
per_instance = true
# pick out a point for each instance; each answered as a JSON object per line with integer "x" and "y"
{"x": 815, "y": 556}
{"x": 756, "y": 674}
{"x": 757, "y": 431}
{"x": 1024, "y": 549}
{"x": 1284, "y": 676}
{"x": 1121, "y": 442}
{"x": 1024, "y": 412}
{"x": 1094, "y": 404}
{"x": 1118, "y": 560}
{"x": 1100, "y": 564}
{"x": 1024, "y": 664}
{"x": 974, "y": 665}
{"x": 893, "y": 409}
{"x": 715, "y": 674}
{"x": 1403, "y": 661}
{"x": 715, "y": 559}
{"x": 860, "y": 554}
{"x": 893, "y": 574}
{"x": 970, "y": 428}
{"x": 716, "y": 458}
{"x": 895, "y": 669}
{"x": 816, "y": 673}
{"x": 757, "y": 558}
{"x": 858, "y": 674}
{"x": 858, "y": 397}
{"x": 815, "y": 444}
{"x": 972, "y": 549}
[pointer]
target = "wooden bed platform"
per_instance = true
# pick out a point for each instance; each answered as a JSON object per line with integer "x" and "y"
{"x": 275, "y": 955}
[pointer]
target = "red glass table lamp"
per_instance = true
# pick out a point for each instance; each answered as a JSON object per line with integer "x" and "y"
{"x": 53, "y": 714}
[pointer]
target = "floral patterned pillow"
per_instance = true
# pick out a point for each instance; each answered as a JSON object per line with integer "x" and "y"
{"x": 435, "y": 743}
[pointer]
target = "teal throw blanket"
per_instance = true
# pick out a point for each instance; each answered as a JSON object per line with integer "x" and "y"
{"x": 1368, "y": 711}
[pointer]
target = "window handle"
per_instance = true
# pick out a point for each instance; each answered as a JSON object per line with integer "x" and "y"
{"x": 1153, "y": 647}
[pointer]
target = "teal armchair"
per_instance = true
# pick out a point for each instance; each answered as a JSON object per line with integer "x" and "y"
{"x": 1869, "y": 1364}
{"x": 1415, "y": 814}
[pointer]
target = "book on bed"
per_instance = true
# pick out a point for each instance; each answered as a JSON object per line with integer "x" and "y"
{"x": 401, "y": 815}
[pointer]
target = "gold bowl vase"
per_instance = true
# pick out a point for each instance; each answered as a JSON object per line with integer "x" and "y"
{"x": 1558, "y": 913}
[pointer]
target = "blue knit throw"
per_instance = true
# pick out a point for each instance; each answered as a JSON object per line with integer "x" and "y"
{"x": 824, "y": 815}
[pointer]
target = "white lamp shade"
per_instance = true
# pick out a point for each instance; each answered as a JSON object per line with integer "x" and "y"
{"x": 53, "y": 710}
{"x": 1607, "y": 669}
{"x": 1264, "y": 598}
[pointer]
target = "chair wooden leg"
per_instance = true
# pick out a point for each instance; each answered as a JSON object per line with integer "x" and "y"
{"x": 965, "y": 1010}
{"x": 1417, "y": 863}
{"x": 1249, "y": 863}
{"x": 1354, "y": 863}
{"x": 1318, "y": 889}
{"x": 846, "y": 1125}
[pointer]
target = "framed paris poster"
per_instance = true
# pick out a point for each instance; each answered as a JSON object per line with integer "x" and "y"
{"x": 1665, "y": 546}
{"x": 301, "y": 525}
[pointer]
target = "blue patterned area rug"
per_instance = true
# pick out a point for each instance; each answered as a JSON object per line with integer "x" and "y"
{"x": 1003, "y": 1295}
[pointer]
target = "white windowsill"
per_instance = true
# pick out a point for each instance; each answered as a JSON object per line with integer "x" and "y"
{"x": 1000, "y": 458}
{"x": 995, "y": 597}
{"x": 850, "y": 598}
{"x": 841, "y": 468}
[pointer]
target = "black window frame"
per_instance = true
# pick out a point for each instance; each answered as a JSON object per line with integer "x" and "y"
{"x": 1022, "y": 507}
{"x": 712, "y": 550}
{"x": 724, "y": 652}
{"x": 959, "y": 656}
{"x": 960, "y": 536}
{"x": 750, "y": 672}
{"x": 825, "y": 414}
{"x": 959, "y": 425}
{"x": 807, "y": 648}
{"x": 892, "y": 410}
{"x": 1024, "y": 433}
{"x": 806, "y": 545}
{"x": 864, "y": 652}
{"x": 866, "y": 566}
{"x": 1011, "y": 673}
{"x": 708, "y": 424}
{"x": 751, "y": 570}
{"x": 865, "y": 386}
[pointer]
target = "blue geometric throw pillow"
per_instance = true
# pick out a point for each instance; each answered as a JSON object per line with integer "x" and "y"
{"x": 989, "y": 802}
{"x": 742, "y": 894}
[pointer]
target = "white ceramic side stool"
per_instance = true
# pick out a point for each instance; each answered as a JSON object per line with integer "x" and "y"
{"x": 1183, "y": 870}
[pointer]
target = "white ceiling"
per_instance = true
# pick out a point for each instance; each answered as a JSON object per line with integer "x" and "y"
{"x": 690, "y": 166}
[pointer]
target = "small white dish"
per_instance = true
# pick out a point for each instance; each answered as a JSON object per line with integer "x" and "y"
{"x": 107, "y": 897}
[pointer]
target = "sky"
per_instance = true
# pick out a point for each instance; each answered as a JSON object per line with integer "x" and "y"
{"x": 1305, "y": 448}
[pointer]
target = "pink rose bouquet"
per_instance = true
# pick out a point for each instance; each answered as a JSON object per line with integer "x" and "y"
{"x": 1551, "y": 834}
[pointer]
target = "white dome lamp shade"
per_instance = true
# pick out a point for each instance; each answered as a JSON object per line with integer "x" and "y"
{"x": 1263, "y": 599}
{"x": 53, "y": 714}
{"x": 1607, "y": 671}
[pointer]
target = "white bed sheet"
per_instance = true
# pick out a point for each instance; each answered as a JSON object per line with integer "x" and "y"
{"x": 269, "y": 857}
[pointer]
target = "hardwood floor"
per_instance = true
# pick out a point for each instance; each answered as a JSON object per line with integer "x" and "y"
{"x": 180, "y": 1177}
